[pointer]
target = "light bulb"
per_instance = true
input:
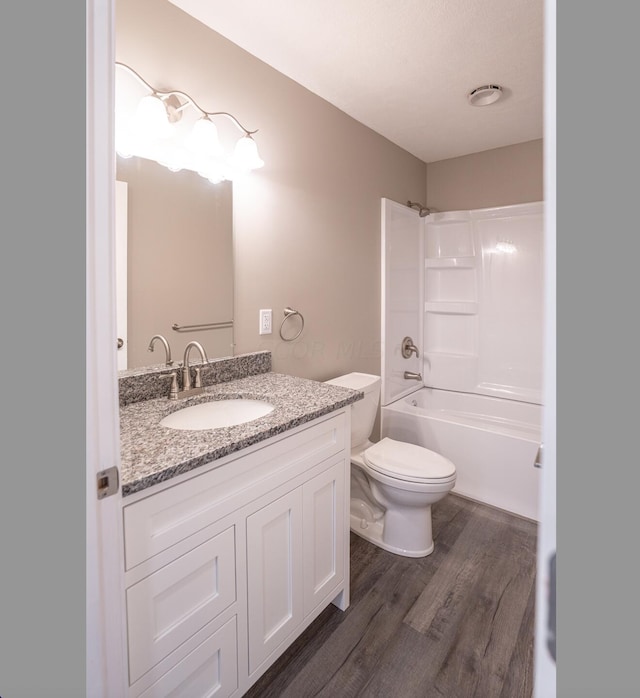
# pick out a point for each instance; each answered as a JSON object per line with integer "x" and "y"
{"x": 204, "y": 138}
{"x": 173, "y": 157}
{"x": 151, "y": 118}
{"x": 245, "y": 155}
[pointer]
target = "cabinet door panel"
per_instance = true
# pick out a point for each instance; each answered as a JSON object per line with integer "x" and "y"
{"x": 210, "y": 670}
{"x": 166, "y": 608}
{"x": 274, "y": 541}
{"x": 323, "y": 534}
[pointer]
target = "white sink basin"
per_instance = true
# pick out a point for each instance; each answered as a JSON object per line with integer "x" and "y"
{"x": 216, "y": 414}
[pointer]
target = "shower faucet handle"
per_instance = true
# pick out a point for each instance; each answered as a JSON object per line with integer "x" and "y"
{"x": 408, "y": 347}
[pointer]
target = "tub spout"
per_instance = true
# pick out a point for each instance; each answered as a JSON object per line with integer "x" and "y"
{"x": 410, "y": 375}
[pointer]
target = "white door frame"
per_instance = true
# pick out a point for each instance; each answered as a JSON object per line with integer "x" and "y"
{"x": 105, "y": 646}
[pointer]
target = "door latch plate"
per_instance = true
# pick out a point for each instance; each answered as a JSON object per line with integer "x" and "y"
{"x": 107, "y": 482}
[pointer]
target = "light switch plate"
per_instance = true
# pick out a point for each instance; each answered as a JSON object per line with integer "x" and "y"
{"x": 265, "y": 321}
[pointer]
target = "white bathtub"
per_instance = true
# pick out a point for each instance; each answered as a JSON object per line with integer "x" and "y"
{"x": 492, "y": 442}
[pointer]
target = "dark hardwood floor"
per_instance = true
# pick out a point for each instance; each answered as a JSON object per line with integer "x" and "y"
{"x": 455, "y": 624}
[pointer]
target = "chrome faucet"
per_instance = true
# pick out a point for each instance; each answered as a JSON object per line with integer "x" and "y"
{"x": 167, "y": 350}
{"x": 187, "y": 388}
{"x": 410, "y": 375}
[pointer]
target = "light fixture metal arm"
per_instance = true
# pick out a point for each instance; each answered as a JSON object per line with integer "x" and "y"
{"x": 190, "y": 100}
{"x": 232, "y": 117}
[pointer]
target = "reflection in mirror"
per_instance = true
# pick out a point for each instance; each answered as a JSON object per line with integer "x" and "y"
{"x": 179, "y": 261}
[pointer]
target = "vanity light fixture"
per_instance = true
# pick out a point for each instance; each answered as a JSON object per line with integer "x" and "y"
{"x": 169, "y": 127}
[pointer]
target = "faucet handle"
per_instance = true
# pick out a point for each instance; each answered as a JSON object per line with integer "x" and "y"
{"x": 173, "y": 390}
{"x": 408, "y": 347}
{"x": 198, "y": 381}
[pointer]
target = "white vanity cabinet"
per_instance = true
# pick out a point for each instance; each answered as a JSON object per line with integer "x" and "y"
{"x": 225, "y": 568}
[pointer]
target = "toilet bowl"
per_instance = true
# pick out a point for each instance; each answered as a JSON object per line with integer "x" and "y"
{"x": 393, "y": 483}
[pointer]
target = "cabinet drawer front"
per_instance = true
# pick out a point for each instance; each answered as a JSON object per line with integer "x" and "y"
{"x": 154, "y": 524}
{"x": 210, "y": 670}
{"x": 166, "y": 608}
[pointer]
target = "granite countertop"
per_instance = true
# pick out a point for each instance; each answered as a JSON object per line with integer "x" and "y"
{"x": 151, "y": 454}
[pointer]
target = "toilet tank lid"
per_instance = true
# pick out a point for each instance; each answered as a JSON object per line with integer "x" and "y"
{"x": 357, "y": 381}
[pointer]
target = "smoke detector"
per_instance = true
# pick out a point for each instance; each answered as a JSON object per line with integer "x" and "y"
{"x": 485, "y": 95}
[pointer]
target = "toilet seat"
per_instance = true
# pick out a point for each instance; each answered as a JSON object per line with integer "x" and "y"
{"x": 408, "y": 462}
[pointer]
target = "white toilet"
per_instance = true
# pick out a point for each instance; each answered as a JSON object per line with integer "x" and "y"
{"x": 393, "y": 483}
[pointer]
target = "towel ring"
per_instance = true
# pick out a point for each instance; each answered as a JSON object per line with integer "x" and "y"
{"x": 290, "y": 312}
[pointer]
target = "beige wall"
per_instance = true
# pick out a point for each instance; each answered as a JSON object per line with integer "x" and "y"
{"x": 307, "y": 225}
{"x": 498, "y": 177}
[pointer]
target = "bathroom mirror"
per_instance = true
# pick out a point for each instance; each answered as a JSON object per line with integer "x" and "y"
{"x": 179, "y": 262}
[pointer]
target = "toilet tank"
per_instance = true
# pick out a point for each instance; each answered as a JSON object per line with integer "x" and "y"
{"x": 363, "y": 412}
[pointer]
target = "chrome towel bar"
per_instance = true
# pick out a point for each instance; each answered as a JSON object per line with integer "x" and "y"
{"x": 204, "y": 326}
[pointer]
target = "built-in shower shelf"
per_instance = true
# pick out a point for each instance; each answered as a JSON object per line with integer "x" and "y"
{"x": 450, "y": 262}
{"x": 451, "y": 307}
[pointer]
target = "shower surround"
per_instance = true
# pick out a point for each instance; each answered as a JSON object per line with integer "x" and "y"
{"x": 467, "y": 287}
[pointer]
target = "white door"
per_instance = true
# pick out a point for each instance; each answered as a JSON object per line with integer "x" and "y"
{"x": 545, "y": 658}
{"x": 105, "y": 655}
{"x": 402, "y": 262}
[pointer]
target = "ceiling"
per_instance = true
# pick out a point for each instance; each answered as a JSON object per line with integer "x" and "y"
{"x": 403, "y": 67}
